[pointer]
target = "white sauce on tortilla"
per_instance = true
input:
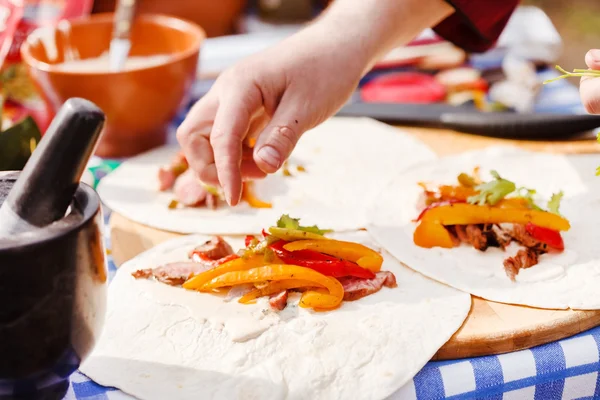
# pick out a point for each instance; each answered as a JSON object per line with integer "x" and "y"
{"x": 559, "y": 281}
{"x": 165, "y": 342}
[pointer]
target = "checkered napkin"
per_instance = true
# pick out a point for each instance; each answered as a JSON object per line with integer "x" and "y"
{"x": 567, "y": 369}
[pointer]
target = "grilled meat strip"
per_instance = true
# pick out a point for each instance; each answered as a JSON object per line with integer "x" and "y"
{"x": 214, "y": 249}
{"x": 357, "y": 288}
{"x": 525, "y": 258}
{"x": 481, "y": 236}
{"x": 173, "y": 274}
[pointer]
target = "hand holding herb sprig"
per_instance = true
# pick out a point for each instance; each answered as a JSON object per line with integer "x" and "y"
{"x": 576, "y": 73}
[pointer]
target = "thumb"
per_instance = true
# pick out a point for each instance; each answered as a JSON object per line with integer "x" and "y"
{"x": 592, "y": 59}
{"x": 590, "y": 86}
{"x": 277, "y": 141}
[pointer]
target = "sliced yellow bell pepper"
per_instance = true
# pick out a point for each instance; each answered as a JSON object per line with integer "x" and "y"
{"x": 431, "y": 231}
{"x": 239, "y": 264}
{"x": 275, "y": 287}
{"x": 448, "y": 192}
{"x": 355, "y": 252}
{"x": 465, "y": 214}
{"x": 249, "y": 197}
{"x": 279, "y": 272}
{"x": 294, "y": 234}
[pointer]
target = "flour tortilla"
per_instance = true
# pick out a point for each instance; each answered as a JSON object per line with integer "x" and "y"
{"x": 559, "y": 281}
{"x": 164, "y": 342}
{"x": 347, "y": 161}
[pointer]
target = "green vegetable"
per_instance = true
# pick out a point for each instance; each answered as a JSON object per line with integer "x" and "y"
{"x": 288, "y": 222}
{"x": 528, "y": 194}
{"x": 575, "y": 73}
{"x": 294, "y": 234}
{"x": 17, "y": 144}
{"x": 554, "y": 202}
{"x": 493, "y": 191}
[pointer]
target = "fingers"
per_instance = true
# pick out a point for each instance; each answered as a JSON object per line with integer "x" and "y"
{"x": 251, "y": 172}
{"x": 193, "y": 134}
{"x": 592, "y": 59}
{"x": 590, "y": 87}
{"x": 275, "y": 144}
{"x": 590, "y": 94}
{"x": 230, "y": 126}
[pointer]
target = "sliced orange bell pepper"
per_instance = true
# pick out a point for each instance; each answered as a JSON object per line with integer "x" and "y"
{"x": 279, "y": 272}
{"x": 249, "y": 197}
{"x": 465, "y": 214}
{"x": 239, "y": 264}
{"x": 448, "y": 192}
{"x": 275, "y": 287}
{"x": 355, "y": 252}
{"x": 432, "y": 234}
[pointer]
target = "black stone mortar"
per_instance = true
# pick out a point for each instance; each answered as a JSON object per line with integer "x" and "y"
{"x": 52, "y": 299}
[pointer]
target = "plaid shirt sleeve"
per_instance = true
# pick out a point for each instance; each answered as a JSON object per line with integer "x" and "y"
{"x": 476, "y": 24}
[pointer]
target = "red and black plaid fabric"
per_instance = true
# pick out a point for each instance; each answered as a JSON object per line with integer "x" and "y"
{"x": 476, "y": 24}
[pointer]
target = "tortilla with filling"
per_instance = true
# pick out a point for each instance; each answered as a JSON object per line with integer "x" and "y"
{"x": 164, "y": 342}
{"x": 559, "y": 281}
{"x": 346, "y": 163}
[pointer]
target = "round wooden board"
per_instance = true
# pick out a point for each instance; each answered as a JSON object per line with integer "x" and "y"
{"x": 490, "y": 328}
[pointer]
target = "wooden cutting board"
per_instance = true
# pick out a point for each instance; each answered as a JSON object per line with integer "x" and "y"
{"x": 490, "y": 328}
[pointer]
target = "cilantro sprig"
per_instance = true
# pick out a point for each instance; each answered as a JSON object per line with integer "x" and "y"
{"x": 288, "y": 222}
{"x": 499, "y": 188}
{"x": 493, "y": 191}
{"x": 554, "y": 202}
{"x": 575, "y": 73}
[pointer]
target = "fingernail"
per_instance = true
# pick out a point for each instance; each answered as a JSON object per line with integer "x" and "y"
{"x": 270, "y": 156}
{"x": 595, "y": 55}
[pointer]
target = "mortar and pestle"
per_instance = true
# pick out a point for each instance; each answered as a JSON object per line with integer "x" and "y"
{"x": 53, "y": 274}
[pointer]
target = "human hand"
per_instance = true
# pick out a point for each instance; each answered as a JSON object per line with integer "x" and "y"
{"x": 273, "y": 97}
{"x": 589, "y": 88}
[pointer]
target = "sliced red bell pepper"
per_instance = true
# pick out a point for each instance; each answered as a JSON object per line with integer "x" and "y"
{"x": 322, "y": 263}
{"x": 248, "y": 240}
{"x": 265, "y": 233}
{"x": 549, "y": 236}
{"x": 198, "y": 256}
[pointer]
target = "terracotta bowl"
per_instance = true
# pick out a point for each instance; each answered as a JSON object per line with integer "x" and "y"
{"x": 140, "y": 103}
{"x": 217, "y": 18}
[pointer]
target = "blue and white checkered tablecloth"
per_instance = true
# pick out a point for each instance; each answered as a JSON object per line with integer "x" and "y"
{"x": 567, "y": 369}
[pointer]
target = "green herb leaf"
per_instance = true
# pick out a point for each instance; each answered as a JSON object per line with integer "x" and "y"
{"x": 528, "y": 195}
{"x": 16, "y": 144}
{"x": 288, "y": 222}
{"x": 575, "y": 73}
{"x": 493, "y": 191}
{"x": 554, "y": 202}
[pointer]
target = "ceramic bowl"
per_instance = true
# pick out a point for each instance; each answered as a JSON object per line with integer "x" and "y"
{"x": 217, "y": 18}
{"x": 140, "y": 103}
